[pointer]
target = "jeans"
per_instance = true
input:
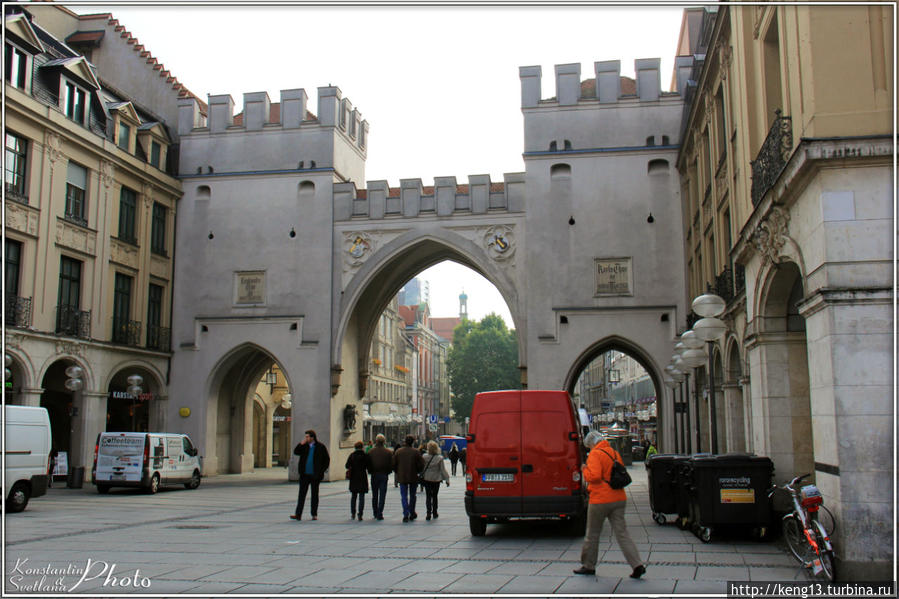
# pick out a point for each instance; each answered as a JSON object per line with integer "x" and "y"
{"x": 361, "y": 499}
{"x": 407, "y": 495}
{"x": 378, "y": 494}
{"x": 454, "y": 463}
{"x": 307, "y": 481}
{"x": 596, "y": 514}
{"x": 431, "y": 490}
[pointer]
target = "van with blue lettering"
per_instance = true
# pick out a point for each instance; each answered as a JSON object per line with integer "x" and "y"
{"x": 145, "y": 460}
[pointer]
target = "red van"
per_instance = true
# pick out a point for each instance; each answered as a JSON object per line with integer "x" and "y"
{"x": 524, "y": 459}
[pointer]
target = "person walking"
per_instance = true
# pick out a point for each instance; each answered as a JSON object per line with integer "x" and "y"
{"x": 380, "y": 465}
{"x": 605, "y": 502}
{"x": 463, "y": 453}
{"x": 356, "y": 469}
{"x": 314, "y": 460}
{"x": 454, "y": 457}
{"x": 407, "y": 463}
{"x": 433, "y": 474}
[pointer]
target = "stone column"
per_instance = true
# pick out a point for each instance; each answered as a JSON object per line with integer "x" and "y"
{"x": 157, "y": 414}
{"x": 30, "y": 397}
{"x": 89, "y": 422}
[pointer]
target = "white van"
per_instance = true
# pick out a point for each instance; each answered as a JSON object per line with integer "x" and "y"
{"x": 147, "y": 460}
{"x": 26, "y": 437}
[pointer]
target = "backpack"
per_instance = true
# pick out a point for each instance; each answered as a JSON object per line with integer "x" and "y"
{"x": 619, "y": 478}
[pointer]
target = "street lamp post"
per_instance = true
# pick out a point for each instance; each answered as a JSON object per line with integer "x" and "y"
{"x": 134, "y": 390}
{"x": 709, "y": 328}
{"x": 694, "y": 357}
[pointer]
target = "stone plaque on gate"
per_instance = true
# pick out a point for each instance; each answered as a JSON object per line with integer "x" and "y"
{"x": 249, "y": 287}
{"x": 614, "y": 276}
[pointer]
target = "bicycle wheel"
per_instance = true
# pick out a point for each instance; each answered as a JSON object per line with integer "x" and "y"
{"x": 824, "y": 569}
{"x": 796, "y": 540}
{"x": 825, "y": 517}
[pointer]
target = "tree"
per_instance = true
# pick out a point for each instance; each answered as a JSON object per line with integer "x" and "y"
{"x": 484, "y": 357}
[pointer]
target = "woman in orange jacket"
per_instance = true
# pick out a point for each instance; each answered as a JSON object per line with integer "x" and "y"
{"x": 605, "y": 502}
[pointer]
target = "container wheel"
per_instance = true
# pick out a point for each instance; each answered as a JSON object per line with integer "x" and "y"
{"x": 705, "y": 534}
{"x": 659, "y": 518}
{"x": 478, "y": 526}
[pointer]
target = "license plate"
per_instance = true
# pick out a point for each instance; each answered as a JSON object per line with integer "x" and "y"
{"x": 498, "y": 478}
{"x": 117, "y": 477}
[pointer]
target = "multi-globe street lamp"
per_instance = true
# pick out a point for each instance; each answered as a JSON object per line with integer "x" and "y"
{"x": 709, "y": 328}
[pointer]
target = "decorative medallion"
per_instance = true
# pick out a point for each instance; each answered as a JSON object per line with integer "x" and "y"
{"x": 53, "y": 147}
{"x": 107, "y": 173}
{"x": 500, "y": 242}
{"x": 358, "y": 246}
{"x": 771, "y": 234}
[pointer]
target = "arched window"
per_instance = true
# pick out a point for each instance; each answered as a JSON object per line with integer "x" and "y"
{"x": 651, "y": 140}
{"x": 306, "y": 190}
{"x": 659, "y": 166}
{"x": 204, "y": 193}
{"x": 560, "y": 171}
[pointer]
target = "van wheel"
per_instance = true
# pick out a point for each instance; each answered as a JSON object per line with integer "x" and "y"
{"x": 102, "y": 489}
{"x": 154, "y": 484}
{"x": 478, "y": 526}
{"x": 194, "y": 481}
{"x": 18, "y": 498}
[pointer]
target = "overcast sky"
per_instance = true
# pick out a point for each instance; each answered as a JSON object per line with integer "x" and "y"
{"x": 438, "y": 86}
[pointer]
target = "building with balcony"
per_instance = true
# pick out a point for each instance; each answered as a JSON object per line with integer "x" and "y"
{"x": 788, "y": 207}
{"x": 90, "y": 198}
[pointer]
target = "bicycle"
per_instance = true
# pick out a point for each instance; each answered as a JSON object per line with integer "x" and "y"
{"x": 806, "y": 537}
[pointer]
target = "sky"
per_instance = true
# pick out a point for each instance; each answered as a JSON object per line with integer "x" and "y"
{"x": 438, "y": 86}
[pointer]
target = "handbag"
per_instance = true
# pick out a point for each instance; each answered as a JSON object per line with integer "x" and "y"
{"x": 421, "y": 475}
{"x": 619, "y": 477}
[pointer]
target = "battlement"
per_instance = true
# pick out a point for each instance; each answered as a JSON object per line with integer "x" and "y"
{"x": 445, "y": 198}
{"x": 260, "y": 113}
{"x": 606, "y": 86}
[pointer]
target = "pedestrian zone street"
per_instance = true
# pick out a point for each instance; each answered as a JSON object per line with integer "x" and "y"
{"x": 233, "y": 535}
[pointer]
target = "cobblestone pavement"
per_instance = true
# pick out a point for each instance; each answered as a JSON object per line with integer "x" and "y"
{"x": 233, "y": 535}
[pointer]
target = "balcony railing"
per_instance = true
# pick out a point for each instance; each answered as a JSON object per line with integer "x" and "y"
{"x": 14, "y": 194}
{"x": 772, "y": 157}
{"x": 18, "y": 311}
{"x": 126, "y": 331}
{"x": 73, "y": 322}
{"x": 159, "y": 338}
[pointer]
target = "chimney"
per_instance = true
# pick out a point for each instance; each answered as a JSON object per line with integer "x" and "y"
{"x": 530, "y": 86}
{"x": 608, "y": 80}
{"x": 328, "y": 104}
{"x": 188, "y": 115}
{"x": 648, "y": 78}
{"x": 568, "y": 83}
{"x": 683, "y": 65}
{"x": 293, "y": 107}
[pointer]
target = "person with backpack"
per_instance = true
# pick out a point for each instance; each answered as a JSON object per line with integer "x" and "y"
{"x": 607, "y": 500}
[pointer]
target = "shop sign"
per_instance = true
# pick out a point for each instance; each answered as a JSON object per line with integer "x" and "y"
{"x": 128, "y": 396}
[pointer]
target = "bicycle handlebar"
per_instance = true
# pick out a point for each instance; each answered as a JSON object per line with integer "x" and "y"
{"x": 789, "y": 486}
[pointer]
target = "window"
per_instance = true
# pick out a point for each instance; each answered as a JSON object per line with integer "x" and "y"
{"x": 121, "y": 309}
{"x": 722, "y": 126}
{"x": 127, "y": 215}
{"x": 75, "y": 102}
{"x": 69, "y": 300}
{"x": 12, "y": 266}
{"x": 155, "y": 153}
{"x": 76, "y": 188}
{"x": 124, "y": 136}
{"x": 16, "y": 67}
{"x": 157, "y": 234}
{"x": 154, "y": 317}
{"x": 16, "y": 157}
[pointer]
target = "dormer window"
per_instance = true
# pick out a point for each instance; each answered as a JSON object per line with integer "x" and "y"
{"x": 74, "y": 102}
{"x": 153, "y": 142}
{"x": 17, "y": 62}
{"x": 155, "y": 153}
{"x": 124, "y": 136}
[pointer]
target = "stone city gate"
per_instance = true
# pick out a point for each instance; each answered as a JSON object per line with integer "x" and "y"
{"x": 285, "y": 258}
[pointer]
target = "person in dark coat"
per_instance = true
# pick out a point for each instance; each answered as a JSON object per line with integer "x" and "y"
{"x": 407, "y": 463}
{"x": 454, "y": 457}
{"x": 380, "y": 465}
{"x": 358, "y": 475}
{"x": 314, "y": 460}
{"x": 462, "y": 455}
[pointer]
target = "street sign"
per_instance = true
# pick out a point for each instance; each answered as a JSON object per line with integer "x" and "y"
{"x": 432, "y": 419}
{"x": 446, "y": 419}
{"x": 433, "y": 428}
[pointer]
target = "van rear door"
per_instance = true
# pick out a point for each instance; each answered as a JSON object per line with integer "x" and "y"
{"x": 497, "y": 462}
{"x": 549, "y": 451}
{"x": 120, "y": 457}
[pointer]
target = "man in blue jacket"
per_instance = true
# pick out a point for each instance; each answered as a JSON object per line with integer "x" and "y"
{"x": 314, "y": 460}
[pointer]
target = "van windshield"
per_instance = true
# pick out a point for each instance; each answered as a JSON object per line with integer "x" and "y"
{"x": 122, "y": 446}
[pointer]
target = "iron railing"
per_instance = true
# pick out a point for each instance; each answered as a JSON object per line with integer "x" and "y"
{"x": 159, "y": 338}
{"x": 72, "y": 321}
{"x": 772, "y": 157}
{"x": 15, "y": 194}
{"x": 126, "y": 331}
{"x": 18, "y": 311}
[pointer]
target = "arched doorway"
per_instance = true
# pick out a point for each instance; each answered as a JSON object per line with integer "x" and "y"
{"x": 784, "y": 417}
{"x": 129, "y": 412}
{"x": 735, "y": 418}
{"x": 614, "y": 386}
{"x": 61, "y": 406}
